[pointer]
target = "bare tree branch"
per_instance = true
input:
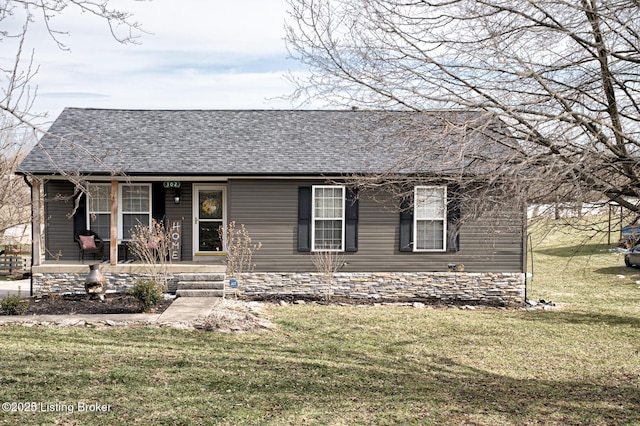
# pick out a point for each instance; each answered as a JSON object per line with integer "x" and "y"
{"x": 552, "y": 86}
{"x": 18, "y": 94}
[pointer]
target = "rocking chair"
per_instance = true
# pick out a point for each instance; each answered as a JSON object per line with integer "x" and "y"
{"x": 89, "y": 243}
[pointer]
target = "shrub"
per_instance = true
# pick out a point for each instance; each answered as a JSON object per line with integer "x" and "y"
{"x": 152, "y": 245}
{"x": 148, "y": 293}
{"x": 240, "y": 250}
{"x": 13, "y": 305}
{"x": 328, "y": 263}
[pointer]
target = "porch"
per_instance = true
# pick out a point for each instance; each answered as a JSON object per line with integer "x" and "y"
{"x": 137, "y": 267}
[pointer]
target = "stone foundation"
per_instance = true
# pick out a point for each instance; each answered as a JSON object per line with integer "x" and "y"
{"x": 498, "y": 289}
{"x": 47, "y": 283}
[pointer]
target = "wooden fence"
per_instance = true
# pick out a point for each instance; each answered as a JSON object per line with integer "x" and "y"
{"x": 12, "y": 264}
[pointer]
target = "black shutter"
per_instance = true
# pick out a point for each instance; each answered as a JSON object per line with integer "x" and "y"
{"x": 351, "y": 221}
{"x": 453, "y": 221}
{"x": 406, "y": 224}
{"x": 304, "y": 218}
{"x": 158, "y": 208}
{"x": 80, "y": 215}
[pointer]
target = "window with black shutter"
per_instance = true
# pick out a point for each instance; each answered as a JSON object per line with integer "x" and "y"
{"x": 327, "y": 218}
{"x": 430, "y": 220}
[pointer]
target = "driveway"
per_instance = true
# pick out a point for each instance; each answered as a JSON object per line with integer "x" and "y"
{"x": 11, "y": 288}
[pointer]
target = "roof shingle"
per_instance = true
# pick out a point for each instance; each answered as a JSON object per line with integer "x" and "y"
{"x": 211, "y": 142}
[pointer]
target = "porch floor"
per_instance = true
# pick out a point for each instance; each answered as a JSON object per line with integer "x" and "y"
{"x": 76, "y": 267}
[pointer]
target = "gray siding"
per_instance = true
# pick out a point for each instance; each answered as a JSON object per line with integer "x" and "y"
{"x": 269, "y": 209}
{"x": 182, "y": 211}
{"x": 58, "y": 231}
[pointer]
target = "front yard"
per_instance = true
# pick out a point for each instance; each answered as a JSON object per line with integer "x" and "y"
{"x": 576, "y": 364}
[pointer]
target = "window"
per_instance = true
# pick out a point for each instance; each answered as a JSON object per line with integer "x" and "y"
{"x": 328, "y": 218}
{"x": 135, "y": 208}
{"x": 99, "y": 210}
{"x": 430, "y": 218}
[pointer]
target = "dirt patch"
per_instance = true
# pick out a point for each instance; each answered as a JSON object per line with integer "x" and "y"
{"x": 114, "y": 303}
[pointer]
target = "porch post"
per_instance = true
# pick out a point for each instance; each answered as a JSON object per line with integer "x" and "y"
{"x": 36, "y": 224}
{"x": 113, "y": 246}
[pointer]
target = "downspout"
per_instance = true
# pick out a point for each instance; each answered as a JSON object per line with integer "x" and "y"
{"x": 32, "y": 234}
{"x": 526, "y": 241}
{"x": 532, "y": 269}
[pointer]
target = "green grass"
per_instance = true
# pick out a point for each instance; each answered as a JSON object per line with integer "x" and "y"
{"x": 576, "y": 365}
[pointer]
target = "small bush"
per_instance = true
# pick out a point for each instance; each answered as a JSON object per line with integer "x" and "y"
{"x": 13, "y": 305}
{"x": 148, "y": 293}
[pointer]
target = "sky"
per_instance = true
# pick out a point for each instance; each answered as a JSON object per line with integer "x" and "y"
{"x": 195, "y": 54}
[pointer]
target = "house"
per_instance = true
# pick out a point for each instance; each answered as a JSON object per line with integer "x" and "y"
{"x": 199, "y": 170}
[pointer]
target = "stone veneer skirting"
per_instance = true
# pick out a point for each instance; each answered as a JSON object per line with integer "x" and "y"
{"x": 502, "y": 289}
{"x": 60, "y": 282}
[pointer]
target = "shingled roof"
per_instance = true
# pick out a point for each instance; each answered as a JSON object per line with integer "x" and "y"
{"x": 211, "y": 142}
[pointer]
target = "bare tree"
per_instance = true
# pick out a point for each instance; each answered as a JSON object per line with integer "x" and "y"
{"x": 152, "y": 245}
{"x": 552, "y": 85}
{"x": 327, "y": 263}
{"x": 239, "y": 248}
{"x": 14, "y": 193}
{"x": 17, "y": 17}
{"x": 18, "y": 94}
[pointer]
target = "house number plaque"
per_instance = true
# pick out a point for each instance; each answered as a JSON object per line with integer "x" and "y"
{"x": 172, "y": 184}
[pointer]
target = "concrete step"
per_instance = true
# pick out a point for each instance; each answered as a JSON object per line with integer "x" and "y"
{"x": 200, "y": 285}
{"x": 210, "y": 276}
{"x": 200, "y": 293}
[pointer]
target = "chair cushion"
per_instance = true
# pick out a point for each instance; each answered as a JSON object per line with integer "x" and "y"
{"x": 87, "y": 242}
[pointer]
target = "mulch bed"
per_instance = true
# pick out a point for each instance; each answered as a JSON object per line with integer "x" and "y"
{"x": 69, "y": 304}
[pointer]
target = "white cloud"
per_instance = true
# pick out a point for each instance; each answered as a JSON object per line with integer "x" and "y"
{"x": 201, "y": 54}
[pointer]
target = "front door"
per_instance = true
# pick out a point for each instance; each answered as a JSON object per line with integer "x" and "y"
{"x": 209, "y": 206}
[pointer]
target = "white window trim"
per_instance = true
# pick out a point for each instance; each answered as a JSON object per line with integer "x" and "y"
{"x": 313, "y": 217}
{"x": 416, "y": 219}
{"x": 89, "y": 212}
{"x": 121, "y": 212}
